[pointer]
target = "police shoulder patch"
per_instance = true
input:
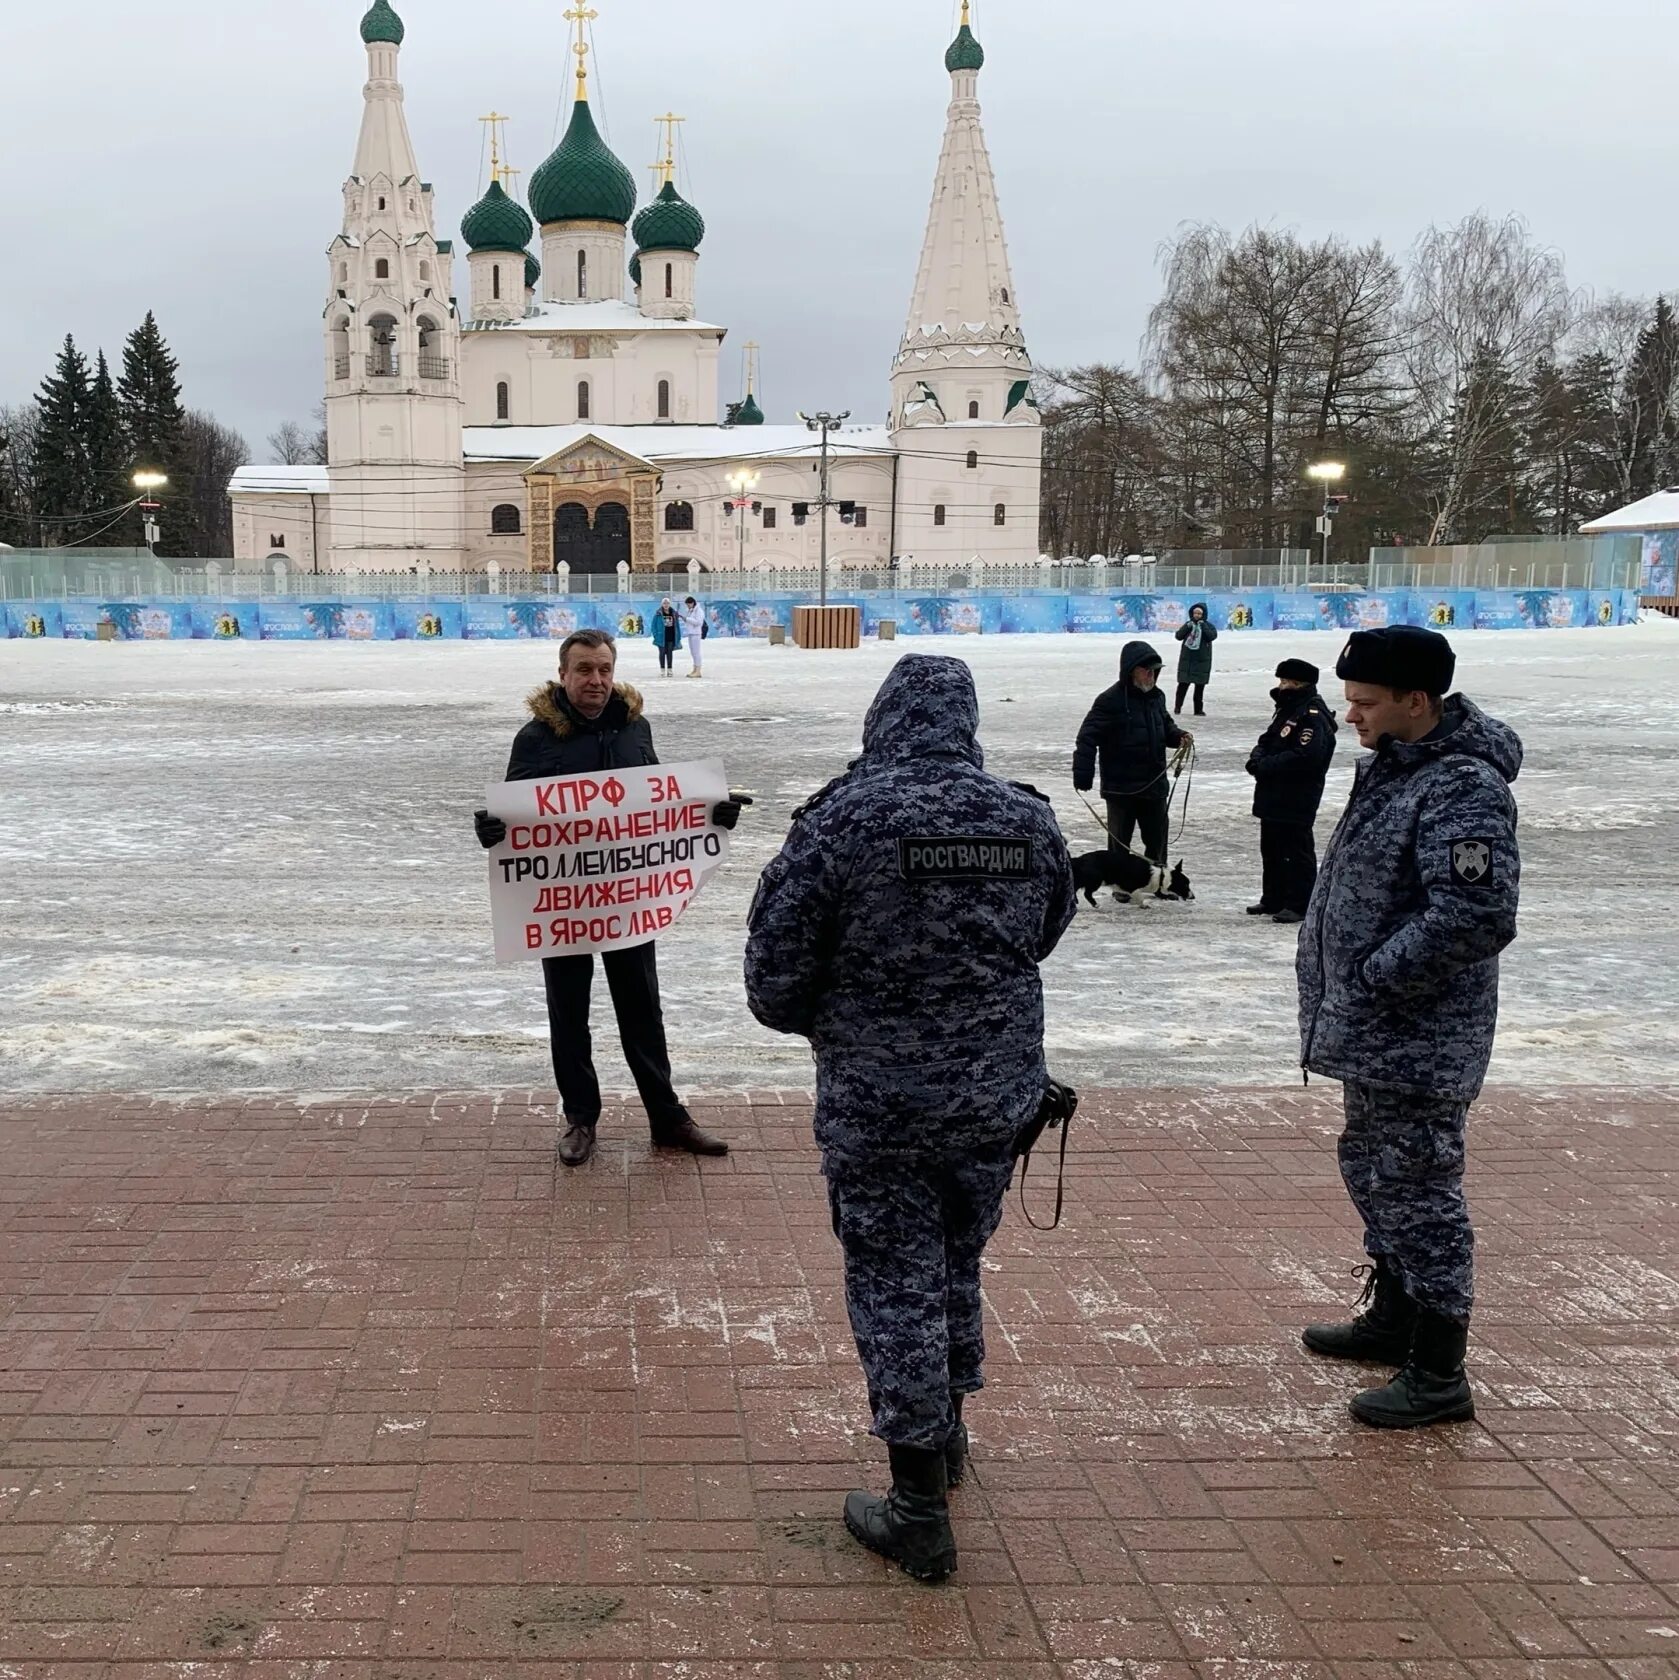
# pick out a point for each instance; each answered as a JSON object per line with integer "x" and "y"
{"x": 965, "y": 857}
{"x": 1472, "y": 861}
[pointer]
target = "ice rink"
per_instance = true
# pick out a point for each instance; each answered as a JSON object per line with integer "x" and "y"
{"x": 253, "y": 866}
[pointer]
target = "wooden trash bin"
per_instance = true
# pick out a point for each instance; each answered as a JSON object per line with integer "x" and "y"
{"x": 105, "y": 631}
{"x": 778, "y": 635}
{"x": 887, "y": 630}
{"x": 828, "y": 627}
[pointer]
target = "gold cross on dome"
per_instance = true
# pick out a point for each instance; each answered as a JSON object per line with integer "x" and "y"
{"x": 582, "y": 15}
{"x": 493, "y": 122}
{"x": 666, "y": 167}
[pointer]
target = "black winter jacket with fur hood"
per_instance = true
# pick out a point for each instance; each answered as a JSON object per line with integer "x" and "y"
{"x": 560, "y": 741}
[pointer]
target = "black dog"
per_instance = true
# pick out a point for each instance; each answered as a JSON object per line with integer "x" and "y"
{"x": 1132, "y": 874}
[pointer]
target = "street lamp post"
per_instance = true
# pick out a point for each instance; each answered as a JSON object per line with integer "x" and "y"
{"x": 1326, "y": 473}
{"x": 145, "y": 482}
{"x": 824, "y": 423}
{"x": 743, "y": 483}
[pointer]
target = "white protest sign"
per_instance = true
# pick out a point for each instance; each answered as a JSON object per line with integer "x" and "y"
{"x": 602, "y": 862}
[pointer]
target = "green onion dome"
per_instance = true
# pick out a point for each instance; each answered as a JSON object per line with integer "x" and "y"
{"x": 581, "y": 181}
{"x": 965, "y": 52}
{"x": 533, "y": 272}
{"x": 496, "y": 223}
{"x": 749, "y": 413}
{"x": 669, "y": 223}
{"x": 635, "y": 269}
{"x": 381, "y": 24}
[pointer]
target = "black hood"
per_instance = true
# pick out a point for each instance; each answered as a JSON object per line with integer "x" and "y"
{"x": 1134, "y": 654}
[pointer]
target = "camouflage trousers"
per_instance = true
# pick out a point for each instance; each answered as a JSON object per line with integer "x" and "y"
{"x": 1402, "y": 1163}
{"x": 913, "y": 1232}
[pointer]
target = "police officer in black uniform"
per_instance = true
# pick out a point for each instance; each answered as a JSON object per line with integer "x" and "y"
{"x": 1289, "y": 766}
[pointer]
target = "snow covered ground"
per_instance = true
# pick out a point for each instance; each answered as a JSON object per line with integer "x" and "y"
{"x": 253, "y": 866}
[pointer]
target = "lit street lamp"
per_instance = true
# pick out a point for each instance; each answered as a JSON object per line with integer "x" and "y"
{"x": 743, "y": 483}
{"x": 146, "y": 481}
{"x": 1327, "y": 473}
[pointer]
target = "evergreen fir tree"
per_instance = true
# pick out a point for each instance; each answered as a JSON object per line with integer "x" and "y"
{"x": 107, "y": 447}
{"x": 154, "y": 425}
{"x": 63, "y": 482}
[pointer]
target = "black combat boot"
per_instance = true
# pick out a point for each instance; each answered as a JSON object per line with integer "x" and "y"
{"x": 1381, "y": 1334}
{"x": 911, "y": 1525}
{"x": 956, "y": 1448}
{"x": 1432, "y": 1388}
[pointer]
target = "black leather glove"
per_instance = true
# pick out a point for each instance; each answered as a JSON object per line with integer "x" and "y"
{"x": 727, "y": 814}
{"x": 491, "y": 831}
{"x": 1082, "y": 787}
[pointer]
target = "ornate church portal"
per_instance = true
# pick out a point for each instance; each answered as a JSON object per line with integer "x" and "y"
{"x": 592, "y": 507}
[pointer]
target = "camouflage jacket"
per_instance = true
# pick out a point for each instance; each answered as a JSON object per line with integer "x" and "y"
{"x": 1398, "y": 956}
{"x": 901, "y": 928}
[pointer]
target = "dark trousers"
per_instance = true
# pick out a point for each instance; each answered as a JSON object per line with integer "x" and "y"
{"x": 1200, "y": 697}
{"x": 1288, "y": 857}
{"x": 1402, "y": 1163}
{"x": 913, "y": 1235}
{"x": 632, "y": 977}
{"x": 667, "y": 656}
{"x": 1128, "y": 812}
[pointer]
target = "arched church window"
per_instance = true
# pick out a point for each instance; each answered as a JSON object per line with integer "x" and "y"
{"x": 1003, "y": 293}
{"x": 341, "y": 348}
{"x": 495, "y": 280}
{"x": 381, "y": 204}
{"x": 1000, "y": 514}
{"x": 679, "y": 516}
{"x": 973, "y": 410}
{"x": 503, "y": 399}
{"x": 670, "y": 279}
{"x": 382, "y": 268}
{"x": 381, "y": 338}
{"x": 664, "y": 399}
{"x": 582, "y": 274}
{"x": 432, "y": 364}
{"x": 582, "y": 399}
{"x": 973, "y": 459}
{"x": 343, "y": 273}
{"x": 938, "y": 513}
{"x": 504, "y": 520}
{"x": 425, "y": 271}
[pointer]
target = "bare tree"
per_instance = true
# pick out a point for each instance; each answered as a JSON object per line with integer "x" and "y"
{"x": 1485, "y": 307}
{"x": 18, "y": 426}
{"x": 1102, "y": 464}
{"x": 1234, "y": 338}
{"x": 317, "y": 455}
{"x": 213, "y": 453}
{"x": 290, "y": 443}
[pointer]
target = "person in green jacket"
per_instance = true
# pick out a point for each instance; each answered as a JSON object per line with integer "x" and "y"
{"x": 1195, "y": 658}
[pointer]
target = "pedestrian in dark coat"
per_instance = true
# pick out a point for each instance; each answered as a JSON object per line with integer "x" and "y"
{"x": 583, "y": 723}
{"x": 900, "y": 930}
{"x": 667, "y": 636}
{"x": 1398, "y": 967}
{"x": 1288, "y": 767}
{"x": 1195, "y": 658}
{"x": 1125, "y": 737}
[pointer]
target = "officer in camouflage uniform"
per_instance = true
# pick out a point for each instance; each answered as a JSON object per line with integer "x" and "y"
{"x": 900, "y": 929}
{"x": 1398, "y": 968}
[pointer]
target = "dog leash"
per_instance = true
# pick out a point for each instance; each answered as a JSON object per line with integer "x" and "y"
{"x": 1183, "y": 759}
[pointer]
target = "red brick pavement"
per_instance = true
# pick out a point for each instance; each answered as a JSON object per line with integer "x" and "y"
{"x": 368, "y": 1390}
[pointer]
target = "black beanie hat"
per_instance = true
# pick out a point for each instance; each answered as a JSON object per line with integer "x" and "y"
{"x": 1403, "y": 657}
{"x": 1298, "y": 670}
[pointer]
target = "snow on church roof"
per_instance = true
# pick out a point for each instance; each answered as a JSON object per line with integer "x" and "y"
{"x": 673, "y": 443}
{"x": 278, "y": 481}
{"x": 612, "y": 315}
{"x": 1659, "y": 512}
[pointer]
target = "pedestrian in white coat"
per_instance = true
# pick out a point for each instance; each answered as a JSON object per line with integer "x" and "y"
{"x": 693, "y": 632}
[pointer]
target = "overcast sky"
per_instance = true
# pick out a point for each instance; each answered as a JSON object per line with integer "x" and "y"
{"x": 187, "y": 156}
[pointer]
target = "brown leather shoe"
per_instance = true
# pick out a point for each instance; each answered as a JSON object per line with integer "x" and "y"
{"x": 577, "y": 1145}
{"x": 684, "y": 1134}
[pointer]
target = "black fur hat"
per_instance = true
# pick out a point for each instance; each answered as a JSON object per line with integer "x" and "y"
{"x": 1403, "y": 657}
{"x": 1298, "y": 670}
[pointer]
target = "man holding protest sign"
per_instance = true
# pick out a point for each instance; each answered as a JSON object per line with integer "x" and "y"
{"x": 591, "y": 863}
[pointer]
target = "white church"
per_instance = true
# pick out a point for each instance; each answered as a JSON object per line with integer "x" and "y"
{"x": 570, "y": 416}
